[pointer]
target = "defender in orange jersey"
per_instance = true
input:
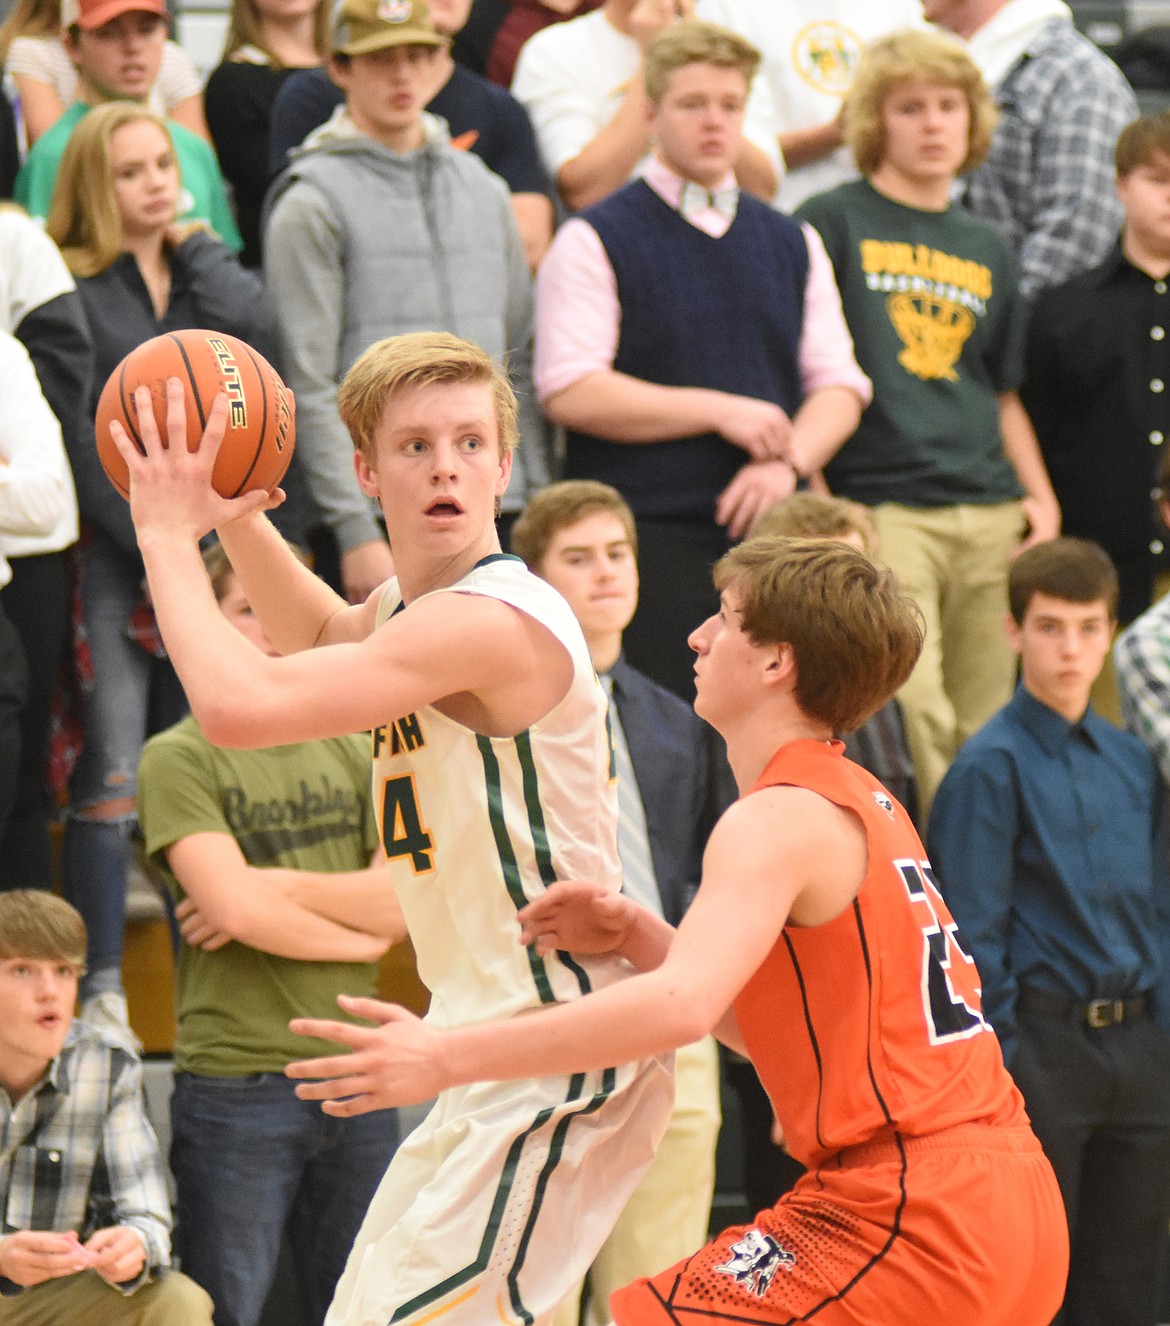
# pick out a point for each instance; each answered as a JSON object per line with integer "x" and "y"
{"x": 819, "y": 946}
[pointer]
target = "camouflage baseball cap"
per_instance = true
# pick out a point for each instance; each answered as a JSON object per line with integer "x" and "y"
{"x": 361, "y": 26}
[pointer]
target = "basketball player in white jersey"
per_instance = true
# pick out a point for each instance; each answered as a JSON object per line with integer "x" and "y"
{"x": 492, "y": 778}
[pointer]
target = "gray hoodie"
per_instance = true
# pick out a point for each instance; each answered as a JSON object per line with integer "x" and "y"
{"x": 362, "y": 242}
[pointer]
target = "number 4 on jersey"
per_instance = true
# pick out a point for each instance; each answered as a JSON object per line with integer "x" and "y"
{"x": 403, "y": 833}
{"x": 950, "y": 983}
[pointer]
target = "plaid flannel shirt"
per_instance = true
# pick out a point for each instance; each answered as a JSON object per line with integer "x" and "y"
{"x": 1141, "y": 659}
{"x": 78, "y": 1153}
{"x": 1047, "y": 185}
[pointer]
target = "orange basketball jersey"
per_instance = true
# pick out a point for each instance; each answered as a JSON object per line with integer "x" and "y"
{"x": 883, "y": 1024}
{"x": 869, "y": 1036}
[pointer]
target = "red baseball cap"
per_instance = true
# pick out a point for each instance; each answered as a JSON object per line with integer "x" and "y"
{"x": 90, "y": 14}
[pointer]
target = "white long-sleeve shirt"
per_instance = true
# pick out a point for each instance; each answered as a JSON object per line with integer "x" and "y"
{"x": 37, "y": 496}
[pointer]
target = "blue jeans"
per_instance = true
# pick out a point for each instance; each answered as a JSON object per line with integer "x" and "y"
{"x": 251, "y": 1161}
{"x": 133, "y": 695}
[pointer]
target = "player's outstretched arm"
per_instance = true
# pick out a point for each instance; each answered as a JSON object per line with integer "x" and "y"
{"x": 580, "y": 917}
{"x": 244, "y": 699}
{"x": 780, "y": 850}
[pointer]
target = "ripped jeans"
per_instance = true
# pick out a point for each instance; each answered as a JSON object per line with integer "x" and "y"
{"x": 133, "y": 694}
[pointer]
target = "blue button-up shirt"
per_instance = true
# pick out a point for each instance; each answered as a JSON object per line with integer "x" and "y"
{"x": 1047, "y": 840}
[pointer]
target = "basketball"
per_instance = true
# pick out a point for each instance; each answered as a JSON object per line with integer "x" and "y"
{"x": 258, "y": 443}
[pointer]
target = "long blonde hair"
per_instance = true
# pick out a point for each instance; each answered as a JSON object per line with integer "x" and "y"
{"x": 245, "y": 29}
{"x": 29, "y": 18}
{"x": 84, "y": 218}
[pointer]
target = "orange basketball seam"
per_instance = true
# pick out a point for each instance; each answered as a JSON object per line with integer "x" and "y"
{"x": 129, "y": 415}
{"x": 191, "y": 379}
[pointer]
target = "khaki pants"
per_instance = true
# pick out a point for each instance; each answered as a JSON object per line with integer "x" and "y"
{"x": 953, "y": 561}
{"x": 172, "y": 1300}
{"x": 667, "y": 1217}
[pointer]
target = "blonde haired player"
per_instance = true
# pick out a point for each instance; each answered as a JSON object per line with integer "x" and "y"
{"x": 491, "y": 780}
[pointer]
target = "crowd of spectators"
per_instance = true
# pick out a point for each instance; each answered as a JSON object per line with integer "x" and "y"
{"x": 912, "y": 255}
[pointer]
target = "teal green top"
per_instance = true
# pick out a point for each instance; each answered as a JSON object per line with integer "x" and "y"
{"x": 203, "y": 196}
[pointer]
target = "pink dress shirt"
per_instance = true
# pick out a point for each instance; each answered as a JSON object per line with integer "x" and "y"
{"x": 578, "y": 316}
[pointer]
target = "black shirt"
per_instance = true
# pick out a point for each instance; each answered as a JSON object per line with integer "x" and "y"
{"x": 481, "y": 117}
{"x": 238, "y": 101}
{"x": 1097, "y": 386}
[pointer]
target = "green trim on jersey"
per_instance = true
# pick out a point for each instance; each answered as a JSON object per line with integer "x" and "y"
{"x": 507, "y": 854}
{"x": 544, "y": 861}
{"x": 508, "y": 863}
{"x": 535, "y": 810}
{"x": 500, "y": 1201}
{"x": 555, "y": 1151}
{"x": 497, "y": 557}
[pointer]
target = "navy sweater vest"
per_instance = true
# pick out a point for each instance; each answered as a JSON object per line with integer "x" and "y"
{"x": 696, "y": 311}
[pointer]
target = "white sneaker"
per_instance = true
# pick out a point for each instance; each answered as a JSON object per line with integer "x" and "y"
{"x": 108, "y": 1011}
{"x": 143, "y": 900}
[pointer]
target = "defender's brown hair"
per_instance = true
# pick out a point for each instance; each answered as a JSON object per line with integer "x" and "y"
{"x": 854, "y": 634}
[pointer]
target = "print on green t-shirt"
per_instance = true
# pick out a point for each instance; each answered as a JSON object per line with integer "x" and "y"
{"x": 937, "y": 324}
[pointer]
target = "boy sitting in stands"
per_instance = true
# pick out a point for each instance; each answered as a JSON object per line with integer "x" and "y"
{"x": 86, "y": 1221}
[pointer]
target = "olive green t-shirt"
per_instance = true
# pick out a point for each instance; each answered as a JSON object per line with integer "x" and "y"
{"x": 304, "y": 807}
{"x": 937, "y": 324}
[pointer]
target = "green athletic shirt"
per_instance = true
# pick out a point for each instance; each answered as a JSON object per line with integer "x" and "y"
{"x": 937, "y": 323}
{"x": 202, "y": 197}
{"x": 305, "y": 807}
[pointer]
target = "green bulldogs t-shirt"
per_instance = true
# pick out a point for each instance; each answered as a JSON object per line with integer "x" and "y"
{"x": 937, "y": 323}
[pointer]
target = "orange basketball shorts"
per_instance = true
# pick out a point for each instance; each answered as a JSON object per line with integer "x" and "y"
{"x": 965, "y": 1226}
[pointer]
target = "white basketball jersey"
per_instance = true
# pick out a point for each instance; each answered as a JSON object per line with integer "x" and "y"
{"x": 474, "y": 827}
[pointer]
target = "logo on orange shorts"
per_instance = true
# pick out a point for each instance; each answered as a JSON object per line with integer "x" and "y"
{"x": 755, "y": 1259}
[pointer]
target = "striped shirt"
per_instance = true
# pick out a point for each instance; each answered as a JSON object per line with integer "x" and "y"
{"x": 1047, "y": 185}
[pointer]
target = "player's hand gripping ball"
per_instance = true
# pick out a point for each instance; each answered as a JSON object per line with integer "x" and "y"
{"x": 261, "y": 431}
